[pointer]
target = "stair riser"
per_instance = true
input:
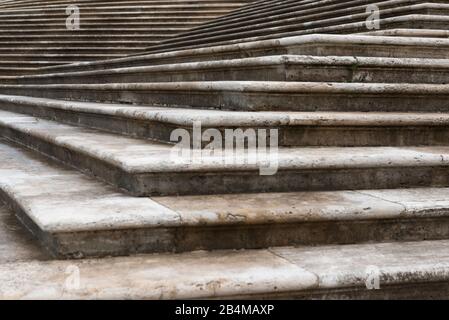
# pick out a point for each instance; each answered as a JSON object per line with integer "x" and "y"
{"x": 276, "y": 72}
{"x": 151, "y": 240}
{"x": 236, "y": 182}
{"x": 347, "y": 136}
{"x": 250, "y": 101}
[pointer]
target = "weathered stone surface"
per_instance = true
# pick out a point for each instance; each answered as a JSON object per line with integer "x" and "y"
{"x": 352, "y": 188}
{"x": 308, "y": 272}
{"x": 148, "y": 168}
{"x": 75, "y": 216}
{"x": 36, "y": 32}
{"x": 295, "y": 128}
{"x": 16, "y": 243}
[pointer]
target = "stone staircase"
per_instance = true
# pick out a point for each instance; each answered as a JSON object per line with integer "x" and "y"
{"x": 34, "y": 34}
{"x": 361, "y": 184}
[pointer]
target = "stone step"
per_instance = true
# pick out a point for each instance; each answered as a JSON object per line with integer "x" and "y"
{"x": 158, "y": 33}
{"x": 301, "y": 20}
{"x": 14, "y": 71}
{"x": 72, "y": 43}
{"x": 315, "y": 10}
{"x": 409, "y": 270}
{"x": 253, "y": 95}
{"x": 97, "y": 38}
{"x": 186, "y": 20}
{"x": 56, "y": 58}
{"x": 38, "y": 3}
{"x": 20, "y": 64}
{"x": 157, "y": 27}
{"x": 317, "y": 45}
{"x": 81, "y": 3}
{"x": 136, "y": 21}
{"x": 429, "y": 20}
{"x": 270, "y": 68}
{"x": 294, "y": 128}
{"x": 63, "y": 51}
{"x": 166, "y": 15}
{"x": 70, "y": 223}
{"x": 209, "y": 9}
{"x": 143, "y": 167}
{"x": 106, "y": 7}
{"x": 421, "y": 33}
{"x": 275, "y": 8}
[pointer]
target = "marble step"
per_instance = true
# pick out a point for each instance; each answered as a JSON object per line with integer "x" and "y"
{"x": 269, "y": 68}
{"x": 342, "y": 129}
{"x": 303, "y": 20}
{"x": 421, "y": 33}
{"x": 405, "y": 270}
{"x": 56, "y": 58}
{"x": 143, "y": 167}
{"x": 426, "y": 19}
{"x": 74, "y": 216}
{"x": 276, "y": 9}
{"x": 253, "y": 95}
{"x": 316, "y": 45}
{"x": 82, "y": 3}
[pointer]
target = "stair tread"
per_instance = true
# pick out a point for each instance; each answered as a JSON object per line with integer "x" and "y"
{"x": 222, "y": 118}
{"x": 249, "y": 273}
{"x": 144, "y": 156}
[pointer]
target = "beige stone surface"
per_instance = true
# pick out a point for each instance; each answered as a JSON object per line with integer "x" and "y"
{"x": 227, "y": 274}
{"x": 186, "y": 276}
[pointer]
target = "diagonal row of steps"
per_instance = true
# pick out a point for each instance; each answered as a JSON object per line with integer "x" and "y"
{"x": 315, "y": 45}
{"x": 316, "y": 17}
{"x": 407, "y": 20}
{"x": 32, "y": 37}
